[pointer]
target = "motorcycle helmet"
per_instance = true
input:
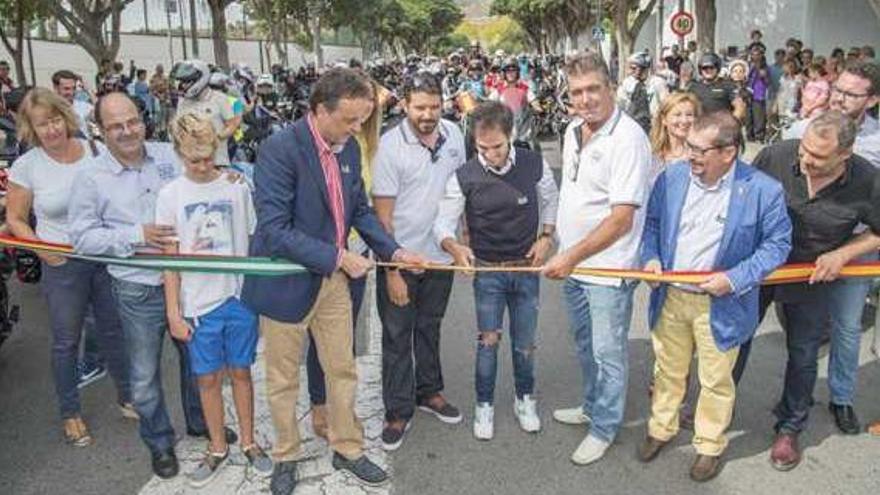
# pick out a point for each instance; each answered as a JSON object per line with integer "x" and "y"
{"x": 265, "y": 84}
{"x": 218, "y": 81}
{"x": 192, "y": 77}
{"x": 710, "y": 59}
{"x": 642, "y": 60}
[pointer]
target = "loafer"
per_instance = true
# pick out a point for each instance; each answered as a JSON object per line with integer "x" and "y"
{"x": 393, "y": 433}
{"x": 283, "y": 478}
{"x": 785, "y": 454}
{"x": 442, "y": 410}
{"x": 649, "y": 449}
{"x": 705, "y": 467}
{"x": 165, "y": 464}
{"x": 365, "y": 470}
{"x": 845, "y": 418}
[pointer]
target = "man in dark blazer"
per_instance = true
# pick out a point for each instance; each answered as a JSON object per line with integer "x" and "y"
{"x": 309, "y": 194}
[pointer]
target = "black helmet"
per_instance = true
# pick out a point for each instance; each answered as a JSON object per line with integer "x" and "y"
{"x": 476, "y": 65}
{"x": 510, "y": 63}
{"x": 710, "y": 59}
{"x": 641, "y": 60}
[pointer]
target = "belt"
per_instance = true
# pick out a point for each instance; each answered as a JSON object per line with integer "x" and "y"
{"x": 503, "y": 264}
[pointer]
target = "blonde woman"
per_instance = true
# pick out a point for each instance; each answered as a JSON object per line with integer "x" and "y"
{"x": 42, "y": 181}
{"x": 670, "y": 129}
{"x": 368, "y": 139}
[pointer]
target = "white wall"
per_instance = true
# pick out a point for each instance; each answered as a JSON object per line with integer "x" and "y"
{"x": 147, "y": 51}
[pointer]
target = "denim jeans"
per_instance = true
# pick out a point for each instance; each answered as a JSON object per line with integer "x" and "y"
{"x": 315, "y": 373}
{"x": 70, "y": 289}
{"x": 846, "y": 300}
{"x": 600, "y": 318}
{"x": 91, "y": 354}
{"x": 518, "y": 292}
{"x": 142, "y": 311}
{"x": 411, "y": 341}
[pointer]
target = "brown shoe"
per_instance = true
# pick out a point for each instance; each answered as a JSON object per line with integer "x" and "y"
{"x": 785, "y": 453}
{"x": 649, "y": 449}
{"x": 76, "y": 433}
{"x": 705, "y": 467}
{"x": 874, "y": 428}
{"x": 319, "y": 420}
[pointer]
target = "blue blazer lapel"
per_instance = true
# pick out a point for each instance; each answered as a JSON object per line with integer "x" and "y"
{"x": 313, "y": 161}
{"x": 738, "y": 196}
{"x": 676, "y": 193}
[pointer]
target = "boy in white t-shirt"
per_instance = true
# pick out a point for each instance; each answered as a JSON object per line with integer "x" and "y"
{"x": 212, "y": 216}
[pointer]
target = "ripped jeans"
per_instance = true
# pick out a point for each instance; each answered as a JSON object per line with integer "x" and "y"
{"x": 518, "y": 292}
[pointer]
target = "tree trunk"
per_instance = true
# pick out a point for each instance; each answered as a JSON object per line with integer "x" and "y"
{"x": 194, "y": 28}
{"x": 316, "y": 41}
{"x": 146, "y": 18}
{"x": 17, "y": 51}
{"x": 706, "y": 18}
{"x": 218, "y": 33}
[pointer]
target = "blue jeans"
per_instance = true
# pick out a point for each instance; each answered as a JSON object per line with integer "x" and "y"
{"x": 600, "y": 317}
{"x": 846, "y": 300}
{"x": 70, "y": 289}
{"x": 518, "y": 292}
{"x": 142, "y": 311}
{"x": 91, "y": 355}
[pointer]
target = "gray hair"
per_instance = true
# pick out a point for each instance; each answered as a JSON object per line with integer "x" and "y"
{"x": 587, "y": 62}
{"x": 837, "y": 122}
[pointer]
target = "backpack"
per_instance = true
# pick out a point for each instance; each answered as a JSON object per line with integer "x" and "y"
{"x": 640, "y": 106}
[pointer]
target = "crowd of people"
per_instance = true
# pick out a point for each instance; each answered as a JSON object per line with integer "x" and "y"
{"x": 652, "y": 178}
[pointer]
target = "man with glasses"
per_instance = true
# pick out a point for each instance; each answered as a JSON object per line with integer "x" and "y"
{"x": 112, "y": 213}
{"x": 712, "y": 213}
{"x": 606, "y": 157}
{"x": 829, "y": 192}
{"x": 414, "y": 162}
{"x": 855, "y": 91}
{"x": 715, "y": 92}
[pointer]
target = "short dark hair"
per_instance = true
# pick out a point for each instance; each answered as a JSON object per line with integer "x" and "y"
{"x": 141, "y": 72}
{"x": 422, "y": 82}
{"x": 728, "y": 127}
{"x": 844, "y": 127}
{"x": 866, "y": 70}
{"x": 99, "y": 105}
{"x": 63, "y": 74}
{"x": 868, "y": 51}
{"x": 493, "y": 115}
{"x": 337, "y": 84}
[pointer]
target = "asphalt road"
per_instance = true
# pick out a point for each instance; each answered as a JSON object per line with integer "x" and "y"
{"x": 441, "y": 459}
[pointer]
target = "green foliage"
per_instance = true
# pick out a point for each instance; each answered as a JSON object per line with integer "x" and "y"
{"x": 499, "y": 32}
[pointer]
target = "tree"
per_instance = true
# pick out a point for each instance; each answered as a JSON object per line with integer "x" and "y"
{"x": 218, "y": 31}
{"x": 15, "y": 19}
{"x": 427, "y": 21}
{"x": 529, "y": 14}
{"x": 629, "y": 18}
{"x": 84, "y": 21}
{"x": 706, "y": 17}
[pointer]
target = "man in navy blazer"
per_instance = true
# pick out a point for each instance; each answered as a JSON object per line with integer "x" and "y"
{"x": 717, "y": 214}
{"x": 309, "y": 194}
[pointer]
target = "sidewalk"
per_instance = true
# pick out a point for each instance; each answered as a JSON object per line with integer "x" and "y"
{"x": 315, "y": 472}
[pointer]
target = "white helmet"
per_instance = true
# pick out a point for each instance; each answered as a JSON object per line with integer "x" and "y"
{"x": 192, "y": 77}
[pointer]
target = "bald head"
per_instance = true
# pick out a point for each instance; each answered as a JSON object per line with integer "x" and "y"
{"x": 111, "y": 102}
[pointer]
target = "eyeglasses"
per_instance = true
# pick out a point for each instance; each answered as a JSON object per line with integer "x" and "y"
{"x": 118, "y": 128}
{"x": 847, "y": 94}
{"x": 693, "y": 149}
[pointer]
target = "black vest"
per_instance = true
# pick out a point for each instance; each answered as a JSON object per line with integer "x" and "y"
{"x": 502, "y": 211}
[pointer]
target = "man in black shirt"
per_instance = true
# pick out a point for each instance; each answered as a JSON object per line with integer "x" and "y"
{"x": 829, "y": 192}
{"x": 716, "y": 93}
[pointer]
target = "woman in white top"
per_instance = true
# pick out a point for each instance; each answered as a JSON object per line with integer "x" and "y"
{"x": 670, "y": 129}
{"x": 41, "y": 180}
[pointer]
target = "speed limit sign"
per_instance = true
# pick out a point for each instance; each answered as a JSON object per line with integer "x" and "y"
{"x": 682, "y": 23}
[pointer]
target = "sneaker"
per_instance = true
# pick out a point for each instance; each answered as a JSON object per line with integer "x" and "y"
{"x": 257, "y": 458}
{"x": 484, "y": 421}
{"x": 88, "y": 374}
{"x": 443, "y": 410}
{"x": 283, "y": 478}
{"x": 589, "y": 451}
{"x": 207, "y": 469}
{"x": 365, "y": 470}
{"x": 393, "y": 433}
{"x": 526, "y": 410}
{"x": 76, "y": 433}
{"x": 571, "y": 416}
{"x": 128, "y": 412}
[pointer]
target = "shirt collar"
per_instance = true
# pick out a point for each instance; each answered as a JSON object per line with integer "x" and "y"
{"x": 117, "y": 167}
{"x": 409, "y": 137}
{"x": 722, "y": 183}
{"x": 323, "y": 147}
{"x": 606, "y": 129}
{"x": 511, "y": 159}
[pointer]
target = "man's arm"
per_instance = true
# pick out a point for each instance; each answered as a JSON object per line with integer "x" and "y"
{"x": 88, "y": 232}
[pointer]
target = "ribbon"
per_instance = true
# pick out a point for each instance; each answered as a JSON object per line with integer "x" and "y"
{"x": 264, "y": 266}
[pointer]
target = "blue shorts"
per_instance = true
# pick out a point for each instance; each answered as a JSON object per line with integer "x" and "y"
{"x": 224, "y": 338}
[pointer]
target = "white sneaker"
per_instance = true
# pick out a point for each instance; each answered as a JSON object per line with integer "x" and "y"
{"x": 526, "y": 411}
{"x": 484, "y": 421}
{"x": 590, "y": 450}
{"x": 571, "y": 416}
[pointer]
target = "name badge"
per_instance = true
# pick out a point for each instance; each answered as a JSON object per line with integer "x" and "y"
{"x": 522, "y": 201}
{"x": 345, "y": 168}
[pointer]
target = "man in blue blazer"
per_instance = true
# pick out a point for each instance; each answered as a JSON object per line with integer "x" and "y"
{"x": 712, "y": 213}
{"x": 309, "y": 194}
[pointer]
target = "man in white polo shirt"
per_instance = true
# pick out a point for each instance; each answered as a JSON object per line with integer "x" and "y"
{"x": 606, "y": 157}
{"x": 414, "y": 162}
